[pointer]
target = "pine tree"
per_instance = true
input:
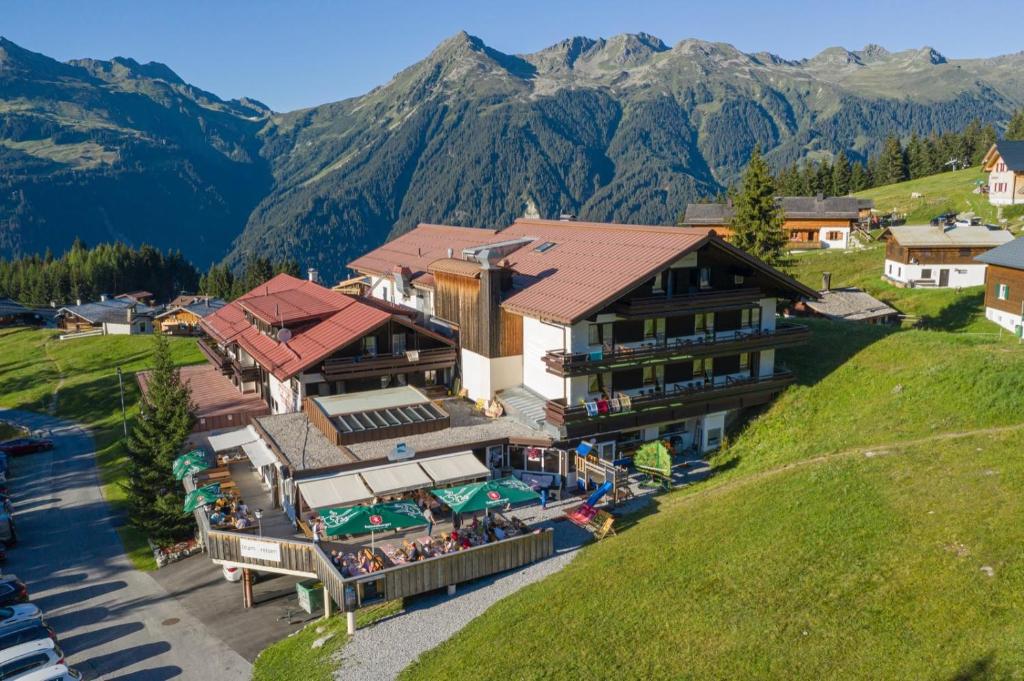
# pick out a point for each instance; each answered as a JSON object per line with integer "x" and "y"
{"x": 156, "y": 439}
{"x": 918, "y": 157}
{"x": 986, "y": 138}
{"x": 1015, "y": 128}
{"x": 892, "y": 165}
{"x": 858, "y": 178}
{"x": 841, "y": 173}
{"x": 757, "y": 220}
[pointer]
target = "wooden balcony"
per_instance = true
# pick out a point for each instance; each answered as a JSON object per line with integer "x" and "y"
{"x": 687, "y": 303}
{"x": 665, "y": 407}
{"x": 244, "y": 372}
{"x": 214, "y": 355}
{"x": 369, "y": 366}
{"x": 568, "y": 364}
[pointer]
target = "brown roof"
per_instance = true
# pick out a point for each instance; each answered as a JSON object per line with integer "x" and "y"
{"x": 213, "y": 393}
{"x": 463, "y": 268}
{"x": 420, "y": 247}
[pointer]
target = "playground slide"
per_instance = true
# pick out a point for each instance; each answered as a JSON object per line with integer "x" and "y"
{"x": 598, "y": 493}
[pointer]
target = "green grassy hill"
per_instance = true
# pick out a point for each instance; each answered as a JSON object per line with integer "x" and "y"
{"x": 863, "y": 526}
{"x": 33, "y": 364}
{"x": 939, "y": 194}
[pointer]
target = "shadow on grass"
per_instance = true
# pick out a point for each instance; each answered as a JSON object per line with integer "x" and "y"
{"x": 958, "y": 315}
{"x": 982, "y": 669}
{"x": 831, "y": 345}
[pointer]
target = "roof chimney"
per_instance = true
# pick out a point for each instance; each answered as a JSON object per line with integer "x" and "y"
{"x": 451, "y": 252}
{"x": 78, "y": 301}
{"x": 567, "y": 217}
{"x": 103, "y": 297}
{"x": 313, "y": 275}
{"x": 130, "y": 313}
{"x": 826, "y": 281}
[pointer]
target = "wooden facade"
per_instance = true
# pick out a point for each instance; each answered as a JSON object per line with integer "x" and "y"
{"x": 472, "y": 302}
{"x": 933, "y": 255}
{"x": 73, "y": 323}
{"x": 1013, "y": 279}
{"x": 179, "y": 321}
{"x": 800, "y": 231}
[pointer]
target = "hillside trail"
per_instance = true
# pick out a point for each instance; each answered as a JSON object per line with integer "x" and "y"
{"x": 867, "y": 451}
{"x": 51, "y": 408}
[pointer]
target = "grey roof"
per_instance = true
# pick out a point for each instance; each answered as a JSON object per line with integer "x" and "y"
{"x": 936, "y": 236}
{"x": 1012, "y": 153}
{"x": 468, "y": 429}
{"x": 302, "y": 443}
{"x": 200, "y": 307}
{"x": 112, "y": 311}
{"x": 11, "y": 308}
{"x": 851, "y": 304}
{"x": 1010, "y": 254}
{"x": 794, "y": 207}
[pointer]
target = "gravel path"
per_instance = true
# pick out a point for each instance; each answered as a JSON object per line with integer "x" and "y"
{"x": 384, "y": 649}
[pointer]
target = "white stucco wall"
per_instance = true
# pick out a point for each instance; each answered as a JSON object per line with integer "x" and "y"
{"x": 538, "y": 338}
{"x": 844, "y": 242}
{"x": 767, "y": 314}
{"x": 960, "y": 275}
{"x": 482, "y": 377}
{"x": 1007, "y": 196}
{"x": 1007, "y": 320}
{"x": 285, "y": 399}
{"x": 767, "y": 363}
{"x": 711, "y": 422}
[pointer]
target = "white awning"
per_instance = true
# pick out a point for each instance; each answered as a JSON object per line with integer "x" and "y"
{"x": 446, "y": 470}
{"x": 259, "y": 454}
{"x": 395, "y": 479}
{"x": 232, "y": 439}
{"x": 339, "y": 490}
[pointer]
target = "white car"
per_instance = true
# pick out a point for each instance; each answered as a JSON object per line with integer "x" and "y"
{"x": 17, "y": 614}
{"x": 19, "y": 661}
{"x": 57, "y": 672}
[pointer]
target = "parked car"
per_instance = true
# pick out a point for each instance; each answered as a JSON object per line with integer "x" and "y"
{"x": 19, "y": 660}
{"x": 16, "y": 614}
{"x": 24, "y": 632}
{"x": 12, "y": 593}
{"x": 58, "y": 672}
{"x": 8, "y": 535}
{"x": 25, "y": 445}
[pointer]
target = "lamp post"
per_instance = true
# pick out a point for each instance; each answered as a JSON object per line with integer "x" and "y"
{"x": 124, "y": 416}
{"x": 259, "y": 521}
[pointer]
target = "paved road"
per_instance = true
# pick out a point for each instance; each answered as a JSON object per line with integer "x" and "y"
{"x": 113, "y": 621}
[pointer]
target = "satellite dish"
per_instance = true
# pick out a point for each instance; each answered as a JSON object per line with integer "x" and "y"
{"x": 284, "y": 335}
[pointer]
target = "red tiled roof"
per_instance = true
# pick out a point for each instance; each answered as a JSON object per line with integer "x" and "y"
{"x": 213, "y": 393}
{"x": 340, "y": 320}
{"x": 420, "y": 247}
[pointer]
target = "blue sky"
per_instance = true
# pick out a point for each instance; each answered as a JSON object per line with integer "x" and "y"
{"x": 297, "y": 54}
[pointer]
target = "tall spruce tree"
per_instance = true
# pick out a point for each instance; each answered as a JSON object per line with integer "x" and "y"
{"x": 892, "y": 164}
{"x": 858, "y": 178}
{"x": 156, "y": 439}
{"x": 757, "y": 218}
{"x": 1015, "y": 128}
{"x": 841, "y": 175}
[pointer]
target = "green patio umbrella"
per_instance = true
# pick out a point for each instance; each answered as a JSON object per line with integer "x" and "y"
{"x": 393, "y": 515}
{"x": 191, "y": 467}
{"x": 481, "y": 496}
{"x": 654, "y": 457}
{"x": 201, "y": 496}
{"x": 186, "y": 459}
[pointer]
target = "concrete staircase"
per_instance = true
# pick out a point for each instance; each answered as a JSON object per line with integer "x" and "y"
{"x": 523, "y": 405}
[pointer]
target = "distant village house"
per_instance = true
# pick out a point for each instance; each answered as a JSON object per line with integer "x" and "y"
{"x": 1004, "y": 164}
{"x": 1004, "y": 284}
{"x": 943, "y": 256}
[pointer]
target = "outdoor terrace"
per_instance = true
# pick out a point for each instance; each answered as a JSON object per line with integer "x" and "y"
{"x": 369, "y": 366}
{"x": 684, "y": 303}
{"x": 217, "y": 358}
{"x": 664, "y": 350}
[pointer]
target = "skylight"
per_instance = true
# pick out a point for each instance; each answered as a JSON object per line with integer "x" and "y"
{"x": 545, "y": 247}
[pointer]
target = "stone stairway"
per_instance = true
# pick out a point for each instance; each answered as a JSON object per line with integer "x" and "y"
{"x": 523, "y": 405}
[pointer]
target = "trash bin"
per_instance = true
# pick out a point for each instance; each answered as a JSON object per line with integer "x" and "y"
{"x": 311, "y": 595}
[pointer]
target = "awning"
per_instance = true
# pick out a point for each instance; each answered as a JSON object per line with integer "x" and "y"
{"x": 259, "y": 454}
{"x": 395, "y": 479}
{"x": 445, "y": 470}
{"x": 339, "y": 490}
{"x": 232, "y": 439}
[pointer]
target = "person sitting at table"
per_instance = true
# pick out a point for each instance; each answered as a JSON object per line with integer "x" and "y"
{"x": 335, "y": 557}
{"x": 427, "y": 548}
{"x": 216, "y": 518}
{"x": 241, "y": 508}
{"x": 345, "y": 569}
{"x": 241, "y": 522}
{"x": 464, "y": 542}
{"x": 412, "y": 550}
{"x": 498, "y": 533}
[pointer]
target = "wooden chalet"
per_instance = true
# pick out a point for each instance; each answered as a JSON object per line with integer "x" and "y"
{"x": 944, "y": 256}
{"x": 1004, "y": 164}
{"x": 1004, "y": 285}
{"x": 183, "y": 314}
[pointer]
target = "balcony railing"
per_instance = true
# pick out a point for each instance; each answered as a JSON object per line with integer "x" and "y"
{"x": 245, "y": 372}
{"x": 214, "y": 355}
{"x": 369, "y": 366}
{"x": 567, "y": 364}
{"x": 653, "y": 306}
{"x": 667, "y": 406}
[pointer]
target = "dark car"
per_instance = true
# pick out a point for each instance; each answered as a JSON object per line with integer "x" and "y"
{"x": 25, "y": 445}
{"x": 12, "y": 592}
{"x": 25, "y": 632}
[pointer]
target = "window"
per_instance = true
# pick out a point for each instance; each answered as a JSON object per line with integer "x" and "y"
{"x": 833, "y": 236}
{"x": 703, "y": 367}
{"x": 744, "y": 361}
{"x": 430, "y": 377}
{"x": 750, "y": 317}
{"x": 23, "y": 665}
{"x": 384, "y": 293}
{"x": 965, "y": 252}
{"x": 650, "y": 377}
{"x": 659, "y": 283}
{"x": 926, "y": 274}
{"x": 594, "y": 383}
{"x": 890, "y": 268}
{"x": 545, "y": 247}
{"x": 606, "y": 450}
{"x": 654, "y": 328}
{"x": 370, "y": 345}
{"x": 705, "y": 277}
{"x": 1003, "y": 291}
{"x": 737, "y": 279}
{"x": 594, "y": 334}
{"x": 704, "y": 322}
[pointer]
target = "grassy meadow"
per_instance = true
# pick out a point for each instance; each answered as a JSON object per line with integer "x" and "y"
{"x": 32, "y": 365}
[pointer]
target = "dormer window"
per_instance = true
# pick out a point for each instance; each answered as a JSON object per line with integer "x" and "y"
{"x": 705, "y": 277}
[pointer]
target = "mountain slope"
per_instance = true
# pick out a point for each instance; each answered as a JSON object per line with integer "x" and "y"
{"x": 115, "y": 149}
{"x": 625, "y": 128}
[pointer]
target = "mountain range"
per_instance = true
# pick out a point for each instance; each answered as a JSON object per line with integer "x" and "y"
{"x": 625, "y": 129}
